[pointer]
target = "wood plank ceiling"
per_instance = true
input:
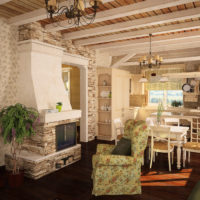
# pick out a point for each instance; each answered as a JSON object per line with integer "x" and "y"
{"x": 184, "y": 28}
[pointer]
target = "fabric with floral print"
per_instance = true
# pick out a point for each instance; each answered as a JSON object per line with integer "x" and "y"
{"x": 116, "y": 174}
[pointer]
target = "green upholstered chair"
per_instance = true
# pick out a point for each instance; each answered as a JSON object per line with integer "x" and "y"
{"x": 117, "y": 174}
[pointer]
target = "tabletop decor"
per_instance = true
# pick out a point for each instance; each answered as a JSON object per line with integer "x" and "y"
{"x": 59, "y": 106}
{"x": 159, "y": 112}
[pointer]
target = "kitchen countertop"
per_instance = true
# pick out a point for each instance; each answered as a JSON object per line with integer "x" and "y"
{"x": 177, "y": 115}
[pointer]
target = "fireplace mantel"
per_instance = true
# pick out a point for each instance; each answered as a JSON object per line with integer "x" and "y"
{"x": 59, "y": 116}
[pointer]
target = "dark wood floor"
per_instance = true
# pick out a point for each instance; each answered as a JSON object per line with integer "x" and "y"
{"x": 74, "y": 182}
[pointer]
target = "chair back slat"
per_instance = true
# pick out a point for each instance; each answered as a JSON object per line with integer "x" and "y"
{"x": 160, "y": 134}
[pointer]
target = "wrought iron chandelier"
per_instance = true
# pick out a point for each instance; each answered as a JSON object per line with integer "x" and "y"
{"x": 150, "y": 61}
{"x": 75, "y": 11}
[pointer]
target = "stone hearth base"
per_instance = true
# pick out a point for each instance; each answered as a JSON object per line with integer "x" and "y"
{"x": 36, "y": 166}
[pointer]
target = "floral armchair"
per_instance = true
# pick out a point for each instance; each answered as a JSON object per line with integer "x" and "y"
{"x": 116, "y": 174}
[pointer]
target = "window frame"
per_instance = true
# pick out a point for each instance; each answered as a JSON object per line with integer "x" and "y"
{"x": 164, "y": 99}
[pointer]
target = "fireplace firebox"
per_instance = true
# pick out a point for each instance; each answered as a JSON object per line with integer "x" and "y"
{"x": 66, "y": 136}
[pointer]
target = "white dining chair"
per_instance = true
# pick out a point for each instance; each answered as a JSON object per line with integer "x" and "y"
{"x": 161, "y": 143}
{"x": 192, "y": 146}
{"x": 118, "y": 129}
{"x": 170, "y": 121}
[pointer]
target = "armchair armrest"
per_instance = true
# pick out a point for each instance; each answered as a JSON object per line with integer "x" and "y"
{"x": 112, "y": 160}
{"x": 105, "y": 148}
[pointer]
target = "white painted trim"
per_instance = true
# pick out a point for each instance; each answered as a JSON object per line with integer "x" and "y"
{"x": 82, "y": 63}
{"x": 35, "y": 15}
{"x": 38, "y": 46}
{"x": 72, "y": 59}
{"x": 139, "y": 33}
{"x": 138, "y": 23}
{"x": 59, "y": 116}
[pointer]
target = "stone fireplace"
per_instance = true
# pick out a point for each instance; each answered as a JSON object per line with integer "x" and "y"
{"x": 66, "y": 136}
{"x": 40, "y": 86}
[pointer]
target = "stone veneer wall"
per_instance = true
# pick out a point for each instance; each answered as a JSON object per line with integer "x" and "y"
{"x": 8, "y": 71}
{"x": 37, "y": 32}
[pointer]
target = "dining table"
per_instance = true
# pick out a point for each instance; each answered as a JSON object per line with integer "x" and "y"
{"x": 178, "y": 133}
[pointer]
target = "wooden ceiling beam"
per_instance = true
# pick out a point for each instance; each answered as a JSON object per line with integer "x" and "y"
{"x": 170, "y": 60}
{"x": 164, "y": 39}
{"x": 4, "y": 1}
{"x": 171, "y": 54}
{"x": 157, "y": 48}
{"x": 138, "y": 23}
{"x": 36, "y": 15}
{"x": 123, "y": 11}
{"x": 122, "y": 60}
{"x": 140, "y": 33}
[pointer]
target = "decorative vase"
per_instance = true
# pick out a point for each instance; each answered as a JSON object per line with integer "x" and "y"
{"x": 59, "y": 107}
{"x": 104, "y": 83}
{"x": 110, "y": 95}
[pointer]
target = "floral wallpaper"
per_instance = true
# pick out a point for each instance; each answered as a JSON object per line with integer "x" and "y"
{"x": 8, "y": 71}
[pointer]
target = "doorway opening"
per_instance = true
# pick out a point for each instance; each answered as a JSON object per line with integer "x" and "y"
{"x": 71, "y": 79}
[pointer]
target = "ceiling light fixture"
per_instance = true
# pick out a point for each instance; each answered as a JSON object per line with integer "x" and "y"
{"x": 143, "y": 80}
{"x": 164, "y": 79}
{"x": 75, "y": 11}
{"x": 149, "y": 61}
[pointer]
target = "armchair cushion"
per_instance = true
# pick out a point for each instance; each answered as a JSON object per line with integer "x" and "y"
{"x": 123, "y": 147}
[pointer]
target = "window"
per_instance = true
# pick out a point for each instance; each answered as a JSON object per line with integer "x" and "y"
{"x": 165, "y": 96}
{"x": 155, "y": 96}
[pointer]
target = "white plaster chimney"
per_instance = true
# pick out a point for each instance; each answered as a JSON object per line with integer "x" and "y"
{"x": 40, "y": 82}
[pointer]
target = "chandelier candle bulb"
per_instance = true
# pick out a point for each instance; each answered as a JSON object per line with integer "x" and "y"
{"x": 157, "y": 57}
{"x": 92, "y": 2}
{"x": 81, "y": 5}
{"x": 150, "y": 60}
{"x": 52, "y": 3}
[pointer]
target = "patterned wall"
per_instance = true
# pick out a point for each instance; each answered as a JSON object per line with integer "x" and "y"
{"x": 8, "y": 71}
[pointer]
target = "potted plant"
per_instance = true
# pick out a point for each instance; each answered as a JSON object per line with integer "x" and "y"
{"x": 17, "y": 122}
{"x": 59, "y": 106}
{"x": 176, "y": 103}
{"x": 159, "y": 112}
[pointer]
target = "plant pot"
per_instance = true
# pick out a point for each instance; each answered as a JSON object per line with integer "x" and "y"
{"x": 2, "y": 176}
{"x": 2, "y": 180}
{"x": 59, "y": 108}
{"x": 15, "y": 180}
